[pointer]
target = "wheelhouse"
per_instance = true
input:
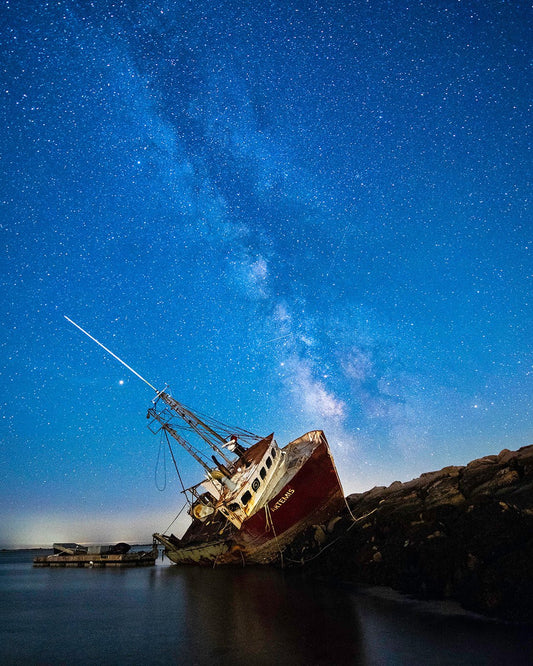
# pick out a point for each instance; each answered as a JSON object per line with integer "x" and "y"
{"x": 249, "y": 483}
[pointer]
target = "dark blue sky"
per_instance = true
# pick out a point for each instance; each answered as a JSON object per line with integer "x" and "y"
{"x": 298, "y": 215}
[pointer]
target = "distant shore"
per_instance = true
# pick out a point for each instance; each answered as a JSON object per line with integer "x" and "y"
{"x": 24, "y": 548}
{"x": 19, "y": 549}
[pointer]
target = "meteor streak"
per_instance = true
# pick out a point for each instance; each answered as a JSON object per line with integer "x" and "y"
{"x": 110, "y": 352}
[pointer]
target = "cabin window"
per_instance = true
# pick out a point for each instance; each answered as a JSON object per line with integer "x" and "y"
{"x": 269, "y": 462}
{"x": 273, "y": 453}
{"x": 255, "y": 484}
{"x": 263, "y": 473}
{"x": 233, "y": 507}
{"x": 246, "y": 498}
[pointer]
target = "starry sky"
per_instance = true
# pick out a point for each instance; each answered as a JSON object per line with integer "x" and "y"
{"x": 297, "y": 215}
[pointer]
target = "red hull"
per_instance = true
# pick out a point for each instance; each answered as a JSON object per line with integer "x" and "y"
{"x": 311, "y": 496}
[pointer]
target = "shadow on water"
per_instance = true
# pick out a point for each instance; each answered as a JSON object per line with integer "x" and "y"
{"x": 253, "y": 616}
{"x": 261, "y": 616}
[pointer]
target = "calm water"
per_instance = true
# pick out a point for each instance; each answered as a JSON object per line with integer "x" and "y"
{"x": 171, "y": 615}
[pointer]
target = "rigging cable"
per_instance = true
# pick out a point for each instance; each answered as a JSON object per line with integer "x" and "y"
{"x": 341, "y": 536}
{"x": 176, "y": 518}
{"x": 176, "y": 466}
{"x": 215, "y": 423}
{"x": 270, "y": 526}
{"x": 187, "y": 501}
{"x": 164, "y": 467}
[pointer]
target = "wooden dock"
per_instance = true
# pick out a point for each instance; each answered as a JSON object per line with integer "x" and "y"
{"x": 135, "y": 559}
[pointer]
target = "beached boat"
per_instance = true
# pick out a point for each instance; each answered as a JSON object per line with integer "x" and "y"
{"x": 255, "y": 498}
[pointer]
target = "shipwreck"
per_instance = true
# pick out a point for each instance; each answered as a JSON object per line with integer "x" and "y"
{"x": 255, "y": 497}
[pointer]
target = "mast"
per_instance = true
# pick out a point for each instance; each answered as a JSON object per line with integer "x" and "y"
{"x": 199, "y": 427}
{"x": 196, "y": 424}
{"x": 183, "y": 442}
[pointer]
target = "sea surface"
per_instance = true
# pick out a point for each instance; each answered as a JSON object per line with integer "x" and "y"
{"x": 254, "y": 616}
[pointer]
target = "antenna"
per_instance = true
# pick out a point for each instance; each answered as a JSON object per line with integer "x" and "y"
{"x": 110, "y": 352}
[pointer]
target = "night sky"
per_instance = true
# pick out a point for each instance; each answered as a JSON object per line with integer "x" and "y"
{"x": 297, "y": 215}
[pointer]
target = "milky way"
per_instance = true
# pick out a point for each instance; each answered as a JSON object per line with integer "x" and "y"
{"x": 298, "y": 215}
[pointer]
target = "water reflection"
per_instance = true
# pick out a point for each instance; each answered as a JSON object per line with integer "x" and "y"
{"x": 253, "y": 616}
{"x": 260, "y": 616}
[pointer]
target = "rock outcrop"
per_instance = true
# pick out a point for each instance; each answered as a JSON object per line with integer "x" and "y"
{"x": 462, "y": 533}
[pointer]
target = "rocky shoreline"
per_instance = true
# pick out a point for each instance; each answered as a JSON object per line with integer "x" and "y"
{"x": 462, "y": 533}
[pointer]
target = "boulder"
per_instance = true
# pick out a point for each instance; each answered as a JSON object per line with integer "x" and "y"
{"x": 463, "y": 533}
